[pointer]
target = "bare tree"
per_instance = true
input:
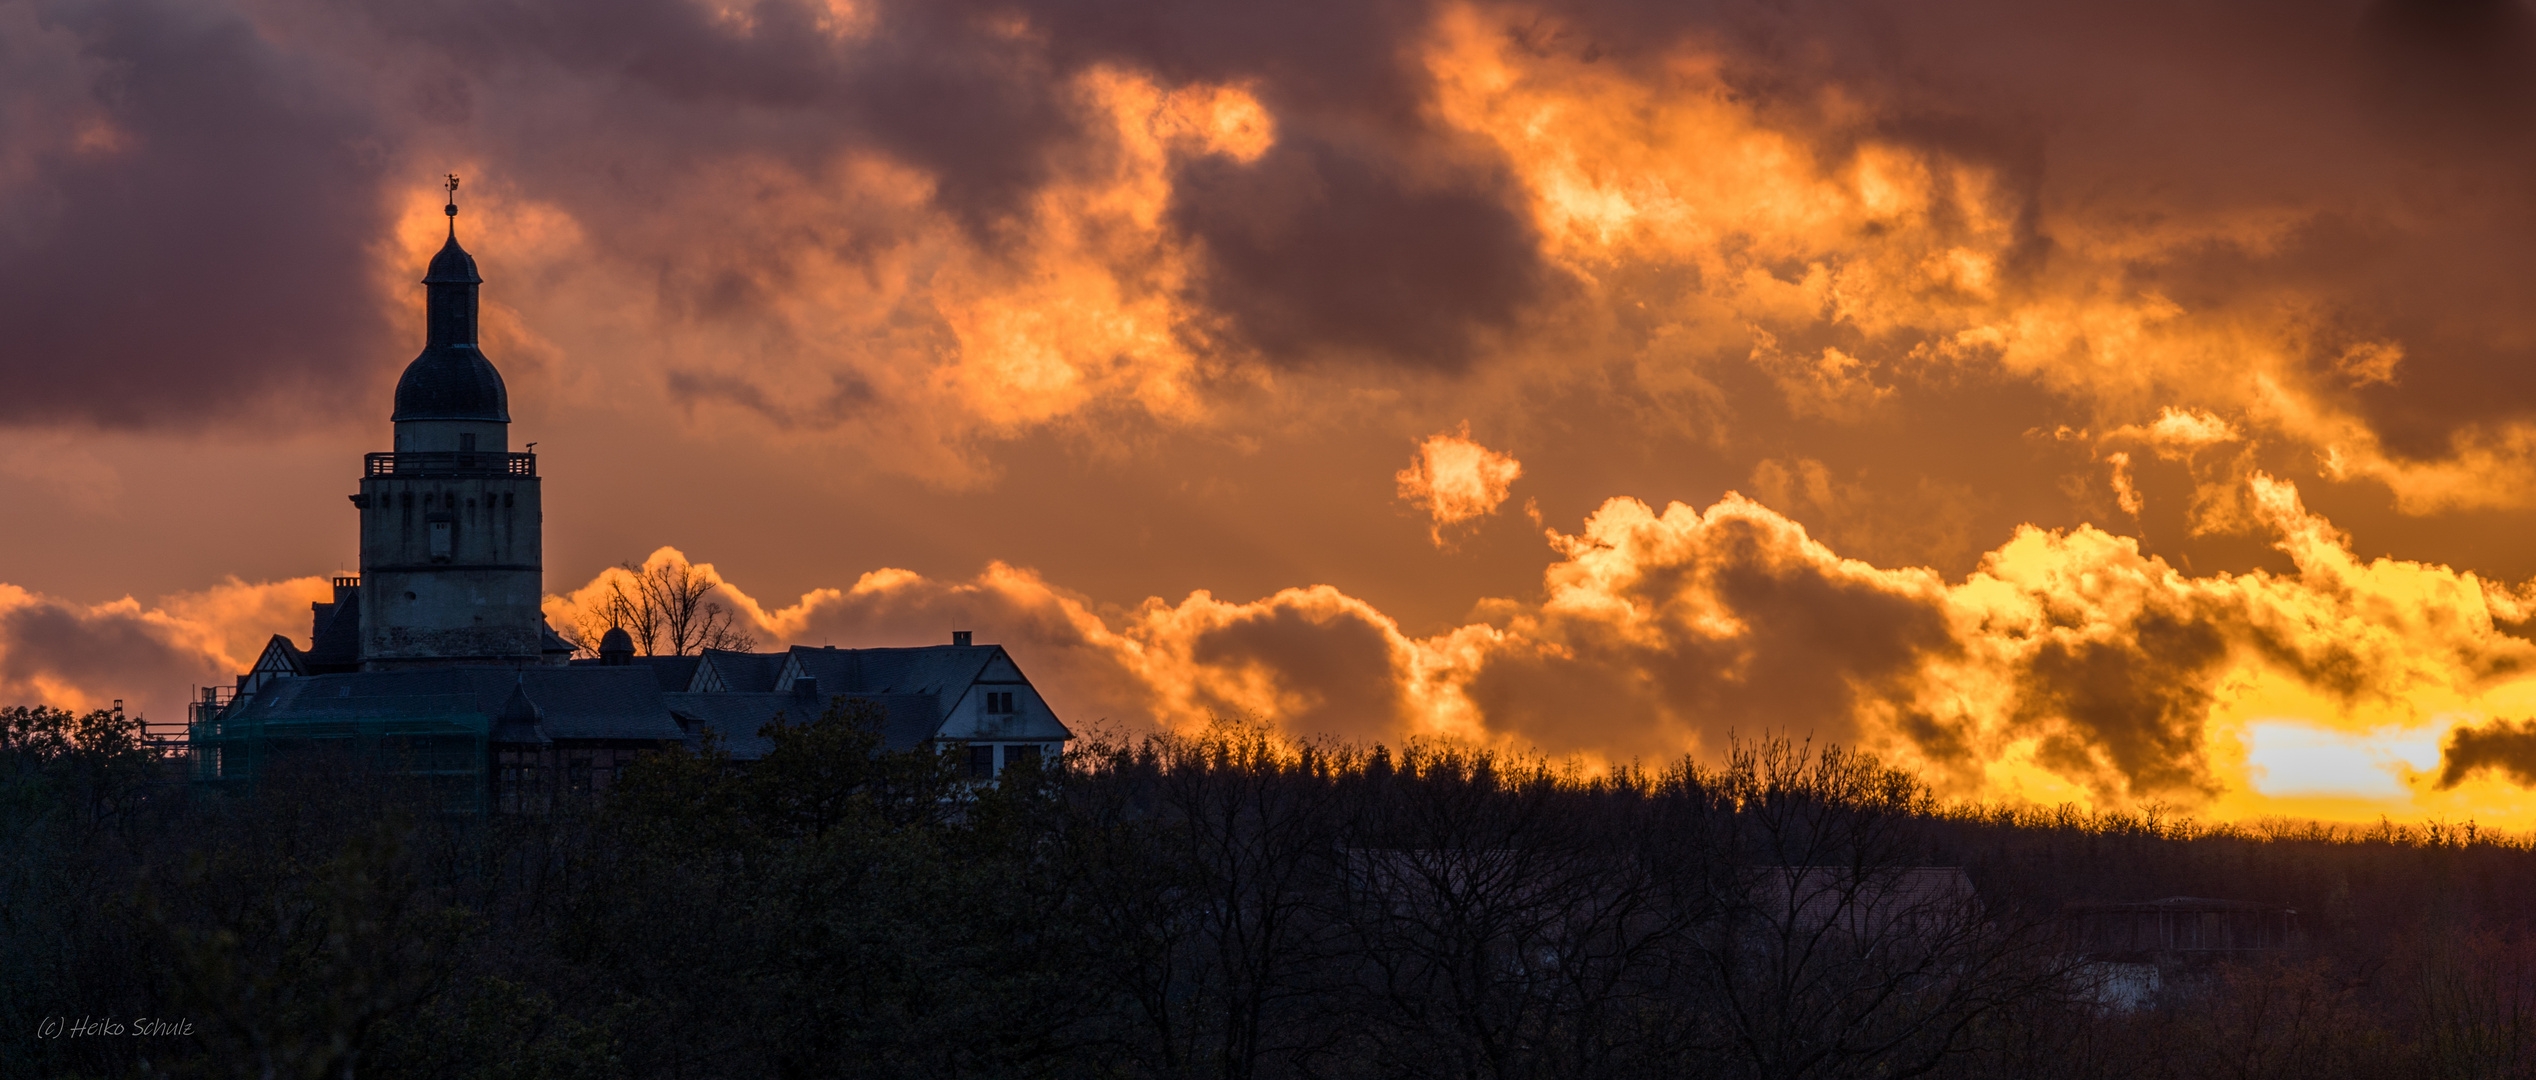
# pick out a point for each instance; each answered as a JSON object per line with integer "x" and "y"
{"x": 627, "y": 606}
{"x": 1503, "y": 922}
{"x": 688, "y": 621}
{"x": 665, "y": 610}
{"x": 1838, "y": 954}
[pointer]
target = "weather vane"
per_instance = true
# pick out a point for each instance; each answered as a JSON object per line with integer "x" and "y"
{"x": 452, "y": 208}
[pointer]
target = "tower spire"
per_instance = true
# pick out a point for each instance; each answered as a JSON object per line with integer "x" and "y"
{"x": 451, "y": 379}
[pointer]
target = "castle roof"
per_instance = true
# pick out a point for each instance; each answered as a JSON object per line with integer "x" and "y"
{"x": 587, "y": 703}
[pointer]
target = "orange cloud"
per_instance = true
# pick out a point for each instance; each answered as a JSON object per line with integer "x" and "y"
{"x": 81, "y": 656}
{"x": 2069, "y": 665}
{"x": 1455, "y": 480}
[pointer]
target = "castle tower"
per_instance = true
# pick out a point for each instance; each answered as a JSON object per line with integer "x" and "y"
{"x": 451, "y": 563}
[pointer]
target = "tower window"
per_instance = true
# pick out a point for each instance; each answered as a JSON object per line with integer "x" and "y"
{"x": 1000, "y": 702}
{"x": 507, "y": 498}
{"x": 466, "y": 443}
{"x": 440, "y": 541}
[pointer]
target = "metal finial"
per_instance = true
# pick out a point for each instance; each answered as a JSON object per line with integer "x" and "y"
{"x": 452, "y": 208}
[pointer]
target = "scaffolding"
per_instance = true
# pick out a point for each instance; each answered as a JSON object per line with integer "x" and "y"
{"x": 437, "y": 742}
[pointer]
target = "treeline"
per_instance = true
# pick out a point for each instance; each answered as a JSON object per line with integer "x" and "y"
{"x": 1225, "y": 904}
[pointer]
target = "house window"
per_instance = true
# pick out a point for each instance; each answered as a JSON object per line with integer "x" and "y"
{"x": 1015, "y": 755}
{"x": 982, "y": 762}
{"x": 1000, "y": 702}
{"x": 578, "y": 774}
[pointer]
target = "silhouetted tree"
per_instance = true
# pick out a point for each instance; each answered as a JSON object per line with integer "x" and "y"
{"x": 665, "y": 609}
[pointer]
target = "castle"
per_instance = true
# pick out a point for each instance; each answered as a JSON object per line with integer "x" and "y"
{"x": 437, "y": 662}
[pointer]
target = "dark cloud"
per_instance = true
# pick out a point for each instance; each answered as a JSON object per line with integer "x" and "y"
{"x": 2129, "y": 713}
{"x": 1813, "y": 645}
{"x": 1315, "y": 253}
{"x": 195, "y": 225}
{"x": 2455, "y": 68}
{"x": 112, "y": 653}
{"x": 1339, "y": 663}
{"x": 2506, "y": 747}
{"x": 223, "y": 250}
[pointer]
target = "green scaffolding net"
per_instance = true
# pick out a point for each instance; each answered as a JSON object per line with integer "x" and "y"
{"x": 435, "y": 743}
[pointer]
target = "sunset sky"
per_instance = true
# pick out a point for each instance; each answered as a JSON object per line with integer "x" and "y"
{"x": 2109, "y": 401}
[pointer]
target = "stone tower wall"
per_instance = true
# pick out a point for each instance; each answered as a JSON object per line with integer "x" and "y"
{"x": 451, "y": 569}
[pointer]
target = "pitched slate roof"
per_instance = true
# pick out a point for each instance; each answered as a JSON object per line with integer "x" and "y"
{"x": 927, "y": 669}
{"x": 674, "y": 672}
{"x": 572, "y": 702}
{"x": 907, "y": 719}
{"x": 552, "y": 643}
{"x": 744, "y": 673}
{"x": 280, "y": 648}
{"x": 920, "y": 685}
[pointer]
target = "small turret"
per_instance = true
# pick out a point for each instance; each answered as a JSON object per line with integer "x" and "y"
{"x": 616, "y": 648}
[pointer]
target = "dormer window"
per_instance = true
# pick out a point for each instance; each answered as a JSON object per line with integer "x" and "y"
{"x": 1000, "y": 703}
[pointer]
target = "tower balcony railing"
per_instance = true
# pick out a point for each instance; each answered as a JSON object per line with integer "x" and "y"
{"x": 449, "y": 463}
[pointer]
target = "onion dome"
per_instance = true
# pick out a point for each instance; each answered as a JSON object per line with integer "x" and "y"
{"x": 451, "y": 379}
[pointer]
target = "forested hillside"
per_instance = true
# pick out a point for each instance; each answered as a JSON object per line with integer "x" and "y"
{"x": 1225, "y": 904}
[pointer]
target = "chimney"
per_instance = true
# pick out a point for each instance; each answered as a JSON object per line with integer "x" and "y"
{"x": 959, "y": 637}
